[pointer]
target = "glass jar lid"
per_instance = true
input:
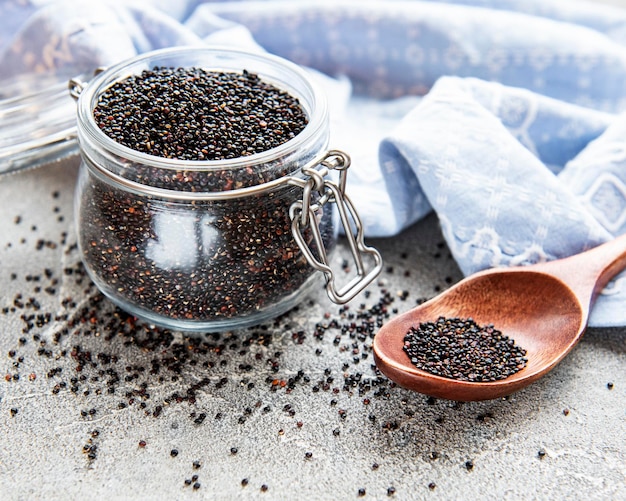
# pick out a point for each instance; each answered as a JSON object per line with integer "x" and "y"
{"x": 37, "y": 122}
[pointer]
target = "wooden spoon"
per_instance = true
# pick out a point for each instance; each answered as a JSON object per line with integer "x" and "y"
{"x": 543, "y": 307}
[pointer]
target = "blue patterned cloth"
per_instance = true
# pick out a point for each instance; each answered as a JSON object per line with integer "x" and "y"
{"x": 503, "y": 116}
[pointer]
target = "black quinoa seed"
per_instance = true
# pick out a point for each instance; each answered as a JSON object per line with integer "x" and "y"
{"x": 106, "y": 351}
{"x": 196, "y": 115}
{"x": 254, "y": 263}
{"x": 460, "y": 349}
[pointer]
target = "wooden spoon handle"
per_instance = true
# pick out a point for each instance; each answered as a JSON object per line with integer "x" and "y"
{"x": 588, "y": 273}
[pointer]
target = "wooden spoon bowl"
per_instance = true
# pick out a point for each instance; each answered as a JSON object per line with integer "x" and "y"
{"x": 543, "y": 307}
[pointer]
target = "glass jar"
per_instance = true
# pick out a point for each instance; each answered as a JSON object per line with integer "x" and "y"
{"x": 240, "y": 240}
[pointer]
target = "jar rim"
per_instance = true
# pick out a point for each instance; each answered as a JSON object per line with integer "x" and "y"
{"x": 317, "y": 115}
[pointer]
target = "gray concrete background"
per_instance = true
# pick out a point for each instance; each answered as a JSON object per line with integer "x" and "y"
{"x": 64, "y": 436}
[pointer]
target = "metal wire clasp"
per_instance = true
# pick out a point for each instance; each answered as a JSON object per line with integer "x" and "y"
{"x": 77, "y": 84}
{"x": 303, "y": 216}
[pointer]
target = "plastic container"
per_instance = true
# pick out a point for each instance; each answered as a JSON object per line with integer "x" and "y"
{"x": 242, "y": 240}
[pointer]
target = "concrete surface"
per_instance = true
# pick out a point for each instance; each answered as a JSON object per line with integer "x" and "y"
{"x": 93, "y": 406}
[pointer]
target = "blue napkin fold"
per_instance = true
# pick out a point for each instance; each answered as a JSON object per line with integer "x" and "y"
{"x": 519, "y": 144}
{"x": 497, "y": 202}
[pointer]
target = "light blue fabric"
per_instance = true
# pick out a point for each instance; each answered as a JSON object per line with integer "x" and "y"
{"x": 519, "y": 144}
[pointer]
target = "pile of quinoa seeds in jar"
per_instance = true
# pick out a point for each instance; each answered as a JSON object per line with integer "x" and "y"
{"x": 195, "y": 114}
{"x": 459, "y": 348}
{"x": 198, "y": 115}
{"x": 245, "y": 255}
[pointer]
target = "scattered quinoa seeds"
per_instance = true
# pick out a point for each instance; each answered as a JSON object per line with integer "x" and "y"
{"x": 122, "y": 341}
{"x": 460, "y": 349}
{"x": 108, "y": 371}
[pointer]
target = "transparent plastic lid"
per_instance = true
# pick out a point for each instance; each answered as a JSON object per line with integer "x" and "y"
{"x": 37, "y": 121}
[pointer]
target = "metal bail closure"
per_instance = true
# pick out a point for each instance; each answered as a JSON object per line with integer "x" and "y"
{"x": 303, "y": 216}
{"x": 76, "y": 85}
